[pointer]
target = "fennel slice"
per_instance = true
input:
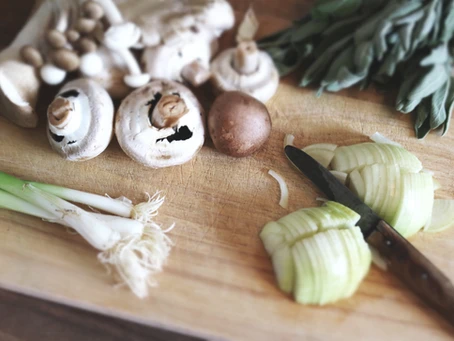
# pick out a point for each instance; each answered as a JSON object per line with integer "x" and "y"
{"x": 322, "y": 156}
{"x": 335, "y": 265}
{"x": 442, "y": 216}
{"x": 283, "y": 266}
{"x": 303, "y": 290}
{"x": 321, "y": 146}
{"x": 356, "y": 184}
{"x": 341, "y": 176}
{"x": 272, "y": 241}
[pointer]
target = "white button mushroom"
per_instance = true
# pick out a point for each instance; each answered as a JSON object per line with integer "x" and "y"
{"x": 168, "y": 61}
{"x": 160, "y": 20}
{"x": 245, "y": 69}
{"x": 121, "y": 34}
{"x": 179, "y": 36}
{"x": 161, "y": 125}
{"x": 80, "y": 120}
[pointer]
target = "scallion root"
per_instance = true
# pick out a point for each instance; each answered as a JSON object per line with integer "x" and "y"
{"x": 146, "y": 211}
{"x": 137, "y": 258}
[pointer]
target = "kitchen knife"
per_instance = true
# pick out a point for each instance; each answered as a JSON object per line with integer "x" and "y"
{"x": 402, "y": 258}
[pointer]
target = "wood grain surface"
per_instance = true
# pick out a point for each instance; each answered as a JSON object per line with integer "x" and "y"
{"x": 219, "y": 283}
{"x": 25, "y": 318}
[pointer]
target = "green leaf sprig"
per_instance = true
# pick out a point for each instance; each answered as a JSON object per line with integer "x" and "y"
{"x": 356, "y": 42}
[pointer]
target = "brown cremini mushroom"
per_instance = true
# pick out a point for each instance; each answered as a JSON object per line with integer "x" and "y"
{"x": 238, "y": 124}
{"x": 80, "y": 120}
{"x": 160, "y": 125}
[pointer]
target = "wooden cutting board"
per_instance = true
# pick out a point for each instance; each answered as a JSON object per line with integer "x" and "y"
{"x": 219, "y": 282}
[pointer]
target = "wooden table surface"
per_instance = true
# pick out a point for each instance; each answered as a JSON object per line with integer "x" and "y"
{"x": 219, "y": 282}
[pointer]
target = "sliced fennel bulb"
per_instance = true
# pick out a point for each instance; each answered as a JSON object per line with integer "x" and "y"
{"x": 134, "y": 250}
{"x": 403, "y": 199}
{"x": 348, "y": 158}
{"x": 318, "y": 253}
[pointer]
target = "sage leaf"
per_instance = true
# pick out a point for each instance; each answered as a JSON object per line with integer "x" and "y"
{"x": 346, "y": 26}
{"x": 438, "y": 106}
{"x": 364, "y": 56}
{"x": 423, "y": 130}
{"x": 428, "y": 84}
{"x": 422, "y": 113}
{"x": 425, "y": 25}
{"x": 447, "y": 30}
{"x": 394, "y": 9}
{"x": 380, "y": 39}
{"x": 345, "y": 79}
{"x": 449, "y": 106}
{"x": 309, "y": 29}
{"x": 438, "y": 55}
{"x": 335, "y": 8}
{"x": 410, "y": 18}
{"x": 344, "y": 59}
{"x": 405, "y": 88}
{"x": 405, "y": 34}
{"x": 437, "y": 25}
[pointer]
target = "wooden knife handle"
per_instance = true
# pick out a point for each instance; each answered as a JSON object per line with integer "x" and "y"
{"x": 415, "y": 270}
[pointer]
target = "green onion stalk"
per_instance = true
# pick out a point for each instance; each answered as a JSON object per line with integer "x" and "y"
{"x": 130, "y": 242}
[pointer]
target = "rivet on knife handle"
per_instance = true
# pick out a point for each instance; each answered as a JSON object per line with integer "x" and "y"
{"x": 414, "y": 269}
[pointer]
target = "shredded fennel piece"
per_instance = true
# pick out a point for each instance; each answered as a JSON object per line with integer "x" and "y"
{"x": 134, "y": 251}
{"x": 283, "y": 202}
{"x": 288, "y": 140}
{"x": 379, "y": 138}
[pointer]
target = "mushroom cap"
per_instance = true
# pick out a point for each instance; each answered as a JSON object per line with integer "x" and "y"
{"x": 154, "y": 147}
{"x": 162, "y": 19}
{"x": 18, "y": 95}
{"x": 261, "y": 84}
{"x": 122, "y": 36}
{"x": 238, "y": 124}
{"x": 52, "y": 75}
{"x": 167, "y": 61}
{"x": 86, "y": 112}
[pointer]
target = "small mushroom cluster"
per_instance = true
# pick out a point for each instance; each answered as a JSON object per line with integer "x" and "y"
{"x": 90, "y": 37}
{"x": 161, "y": 123}
{"x": 180, "y": 36}
{"x": 66, "y": 42}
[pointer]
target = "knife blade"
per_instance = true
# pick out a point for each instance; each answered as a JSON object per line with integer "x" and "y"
{"x": 403, "y": 260}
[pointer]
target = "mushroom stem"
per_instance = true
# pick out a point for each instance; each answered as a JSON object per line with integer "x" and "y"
{"x": 195, "y": 73}
{"x": 135, "y": 77}
{"x": 246, "y": 58}
{"x": 64, "y": 116}
{"x": 62, "y": 21}
{"x": 111, "y": 12}
{"x": 168, "y": 111}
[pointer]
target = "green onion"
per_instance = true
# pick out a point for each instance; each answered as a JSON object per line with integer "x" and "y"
{"x": 133, "y": 249}
{"x": 143, "y": 212}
